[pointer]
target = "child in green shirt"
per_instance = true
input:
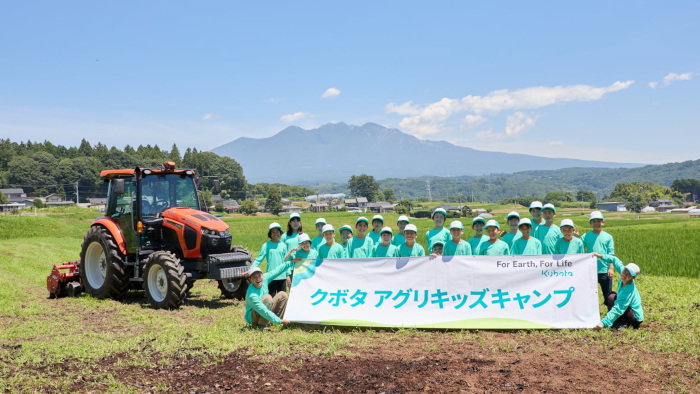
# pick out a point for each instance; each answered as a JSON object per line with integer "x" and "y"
{"x": 384, "y": 248}
{"x": 494, "y": 246}
{"x": 345, "y": 235}
{"x": 568, "y": 244}
{"x": 526, "y": 244}
{"x": 548, "y": 233}
{"x": 360, "y": 245}
{"x": 317, "y": 241}
{"x": 273, "y": 251}
{"x": 513, "y": 220}
{"x": 330, "y": 249}
{"x": 411, "y": 248}
{"x": 599, "y": 241}
{"x": 479, "y": 237}
{"x": 536, "y": 212}
{"x": 625, "y": 306}
{"x": 457, "y": 246}
{"x": 377, "y": 224}
{"x": 401, "y": 223}
{"x": 439, "y": 233}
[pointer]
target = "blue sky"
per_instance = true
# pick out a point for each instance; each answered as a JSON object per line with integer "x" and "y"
{"x": 613, "y": 81}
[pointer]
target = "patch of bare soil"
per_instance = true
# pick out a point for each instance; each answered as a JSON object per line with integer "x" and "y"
{"x": 434, "y": 363}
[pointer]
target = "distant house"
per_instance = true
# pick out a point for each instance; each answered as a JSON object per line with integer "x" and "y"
{"x": 659, "y": 202}
{"x": 11, "y": 206}
{"x": 356, "y": 203}
{"x": 381, "y": 207}
{"x": 98, "y": 203}
{"x": 612, "y": 206}
{"x": 54, "y": 200}
{"x": 230, "y": 206}
{"x": 291, "y": 209}
{"x": 449, "y": 208}
{"x": 14, "y": 195}
{"x": 318, "y": 207}
{"x": 694, "y": 213}
{"x": 666, "y": 207}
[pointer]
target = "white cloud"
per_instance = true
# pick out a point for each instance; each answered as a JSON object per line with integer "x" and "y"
{"x": 423, "y": 120}
{"x": 274, "y": 100}
{"x": 295, "y": 116}
{"x": 209, "y": 116}
{"x": 670, "y": 78}
{"x": 489, "y": 135}
{"x": 330, "y": 93}
{"x": 471, "y": 121}
{"x": 559, "y": 142}
{"x": 518, "y": 123}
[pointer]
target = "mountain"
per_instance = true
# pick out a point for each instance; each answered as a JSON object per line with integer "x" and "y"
{"x": 336, "y": 151}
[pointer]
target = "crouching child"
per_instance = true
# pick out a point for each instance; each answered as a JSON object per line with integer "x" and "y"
{"x": 625, "y": 306}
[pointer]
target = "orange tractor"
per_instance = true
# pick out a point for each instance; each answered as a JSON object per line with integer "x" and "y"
{"x": 155, "y": 236}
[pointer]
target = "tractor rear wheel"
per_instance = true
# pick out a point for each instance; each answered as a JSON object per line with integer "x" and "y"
{"x": 102, "y": 269}
{"x": 236, "y": 288}
{"x": 164, "y": 280}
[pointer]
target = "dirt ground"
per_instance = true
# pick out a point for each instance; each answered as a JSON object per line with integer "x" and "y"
{"x": 430, "y": 363}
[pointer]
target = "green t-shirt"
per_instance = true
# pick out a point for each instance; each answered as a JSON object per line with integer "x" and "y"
{"x": 549, "y": 237}
{"x": 461, "y": 249}
{"x": 498, "y": 248}
{"x": 334, "y": 251}
{"x": 253, "y": 296}
{"x": 398, "y": 239}
{"x": 510, "y": 238}
{"x": 475, "y": 243}
{"x": 274, "y": 252}
{"x": 433, "y": 235}
{"x": 627, "y": 296}
{"x": 360, "y": 248}
{"x": 312, "y": 254}
{"x": 573, "y": 247}
{"x": 532, "y": 246}
{"x": 345, "y": 251}
{"x": 317, "y": 241}
{"x": 602, "y": 243}
{"x": 292, "y": 241}
{"x": 375, "y": 237}
{"x": 416, "y": 251}
{"x": 385, "y": 251}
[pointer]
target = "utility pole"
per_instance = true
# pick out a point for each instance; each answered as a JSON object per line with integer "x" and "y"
{"x": 77, "y": 196}
{"x": 427, "y": 186}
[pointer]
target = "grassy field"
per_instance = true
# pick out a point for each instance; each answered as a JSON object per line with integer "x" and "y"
{"x": 48, "y": 344}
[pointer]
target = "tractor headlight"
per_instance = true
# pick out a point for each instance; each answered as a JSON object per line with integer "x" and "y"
{"x": 206, "y": 231}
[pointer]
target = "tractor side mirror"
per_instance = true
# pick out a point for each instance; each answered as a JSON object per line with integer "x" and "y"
{"x": 217, "y": 186}
{"x": 118, "y": 186}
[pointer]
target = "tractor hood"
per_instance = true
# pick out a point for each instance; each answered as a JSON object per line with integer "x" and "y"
{"x": 194, "y": 218}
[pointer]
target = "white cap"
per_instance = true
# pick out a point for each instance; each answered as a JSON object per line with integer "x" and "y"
{"x": 254, "y": 270}
{"x": 320, "y": 220}
{"x": 513, "y": 214}
{"x": 439, "y": 210}
{"x": 378, "y": 217}
{"x": 525, "y": 221}
{"x": 536, "y": 204}
{"x": 478, "y": 219}
{"x": 328, "y": 227}
{"x": 294, "y": 215}
{"x": 441, "y": 243}
{"x": 386, "y": 230}
{"x": 403, "y": 218}
{"x": 411, "y": 227}
{"x": 633, "y": 269}
{"x": 492, "y": 223}
{"x": 303, "y": 237}
{"x": 456, "y": 224}
{"x": 549, "y": 206}
{"x": 596, "y": 215}
{"x": 567, "y": 222}
{"x": 345, "y": 227}
{"x": 274, "y": 225}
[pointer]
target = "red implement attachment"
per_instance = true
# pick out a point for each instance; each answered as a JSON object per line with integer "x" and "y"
{"x": 64, "y": 283}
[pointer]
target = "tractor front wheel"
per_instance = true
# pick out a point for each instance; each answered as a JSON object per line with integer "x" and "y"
{"x": 236, "y": 288}
{"x": 164, "y": 281}
{"x": 102, "y": 270}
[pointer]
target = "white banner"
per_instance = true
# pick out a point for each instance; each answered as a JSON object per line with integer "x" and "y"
{"x": 476, "y": 292}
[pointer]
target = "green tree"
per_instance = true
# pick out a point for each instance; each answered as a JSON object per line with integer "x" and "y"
{"x": 389, "y": 194}
{"x": 274, "y": 201}
{"x": 219, "y": 207}
{"x": 36, "y": 170}
{"x": 690, "y": 188}
{"x": 585, "y": 195}
{"x": 3, "y": 199}
{"x": 364, "y": 186}
{"x": 248, "y": 207}
{"x": 406, "y": 203}
{"x": 38, "y": 203}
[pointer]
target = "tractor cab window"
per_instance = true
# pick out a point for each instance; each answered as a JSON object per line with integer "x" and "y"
{"x": 121, "y": 204}
{"x": 160, "y": 192}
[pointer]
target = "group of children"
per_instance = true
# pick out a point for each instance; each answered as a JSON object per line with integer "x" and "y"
{"x": 536, "y": 236}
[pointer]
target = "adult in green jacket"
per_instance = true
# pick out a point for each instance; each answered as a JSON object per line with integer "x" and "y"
{"x": 625, "y": 306}
{"x": 274, "y": 251}
{"x": 291, "y": 236}
{"x": 261, "y": 309}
